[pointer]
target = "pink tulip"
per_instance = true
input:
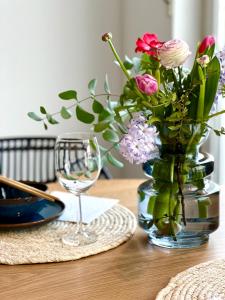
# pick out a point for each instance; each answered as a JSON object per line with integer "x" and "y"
{"x": 146, "y": 84}
{"x": 207, "y": 42}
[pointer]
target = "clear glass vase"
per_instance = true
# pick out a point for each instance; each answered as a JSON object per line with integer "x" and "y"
{"x": 179, "y": 204}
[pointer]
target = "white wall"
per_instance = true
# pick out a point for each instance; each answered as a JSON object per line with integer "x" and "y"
{"x": 48, "y": 46}
{"x": 187, "y": 23}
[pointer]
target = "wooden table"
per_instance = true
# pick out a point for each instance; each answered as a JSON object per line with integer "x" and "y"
{"x": 134, "y": 270}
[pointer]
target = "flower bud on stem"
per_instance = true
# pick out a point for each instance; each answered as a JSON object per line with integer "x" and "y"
{"x": 107, "y": 37}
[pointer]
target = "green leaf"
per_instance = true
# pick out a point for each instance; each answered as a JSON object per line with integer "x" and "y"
{"x": 100, "y": 126}
{"x": 113, "y": 104}
{"x": 97, "y": 107}
{"x": 174, "y": 128}
{"x": 105, "y": 115}
{"x": 153, "y": 120}
{"x": 113, "y": 161}
{"x": 106, "y": 85}
{"x": 213, "y": 74}
{"x": 34, "y": 116}
{"x": 43, "y": 110}
{"x": 210, "y": 51}
{"x": 65, "y": 113}
{"x": 45, "y": 126}
{"x": 103, "y": 150}
{"x": 176, "y": 116}
{"x": 128, "y": 63}
{"x": 68, "y": 95}
{"x": 137, "y": 64}
{"x": 92, "y": 86}
{"x": 110, "y": 136}
{"x": 93, "y": 144}
{"x": 51, "y": 120}
{"x": 84, "y": 116}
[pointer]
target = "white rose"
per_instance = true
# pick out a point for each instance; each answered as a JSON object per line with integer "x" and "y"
{"x": 173, "y": 53}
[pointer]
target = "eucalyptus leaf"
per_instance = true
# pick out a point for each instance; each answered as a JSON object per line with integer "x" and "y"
{"x": 93, "y": 145}
{"x": 68, "y": 95}
{"x": 106, "y": 85}
{"x": 83, "y": 115}
{"x": 97, "y": 107}
{"x": 100, "y": 126}
{"x": 103, "y": 150}
{"x": 105, "y": 115}
{"x": 113, "y": 161}
{"x": 65, "y": 113}
{"x": 51, "y": 120}
{"x": 92, "y": 86}
{"x": 128, "y": 63}
{"x": 34, "y": 116}
{"x": 43, "y": 110}
{"x": 110, "y": 136}
{"x": 137, "y": 64}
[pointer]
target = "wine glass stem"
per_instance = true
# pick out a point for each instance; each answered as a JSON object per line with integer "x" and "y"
{"x": 80, "y": 223}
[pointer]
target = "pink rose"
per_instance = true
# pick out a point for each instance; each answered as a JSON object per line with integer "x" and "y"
{"x": 146, "y": 84}
{"x": 207, "y": 42}
{"x": 149, "y": 44}
{"x": 173, "y": 53}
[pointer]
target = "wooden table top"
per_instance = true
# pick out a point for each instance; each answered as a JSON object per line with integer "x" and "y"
{"x": 134, "y": 270}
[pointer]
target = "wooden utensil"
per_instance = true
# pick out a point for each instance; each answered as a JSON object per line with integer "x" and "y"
{"x": 26, "y": 188}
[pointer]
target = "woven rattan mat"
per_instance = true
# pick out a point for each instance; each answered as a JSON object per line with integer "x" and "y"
{"x": 202, "y": 282}
{"x": 44, "y": 244}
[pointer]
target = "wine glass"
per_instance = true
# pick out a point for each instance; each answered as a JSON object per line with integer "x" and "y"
{"x": 78, "y": 164}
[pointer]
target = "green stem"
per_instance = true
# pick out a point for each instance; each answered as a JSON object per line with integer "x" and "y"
{"x": 179, "y": 181}
{"x": 180, "y": 75}
{"x": 118, "y": 59}
{"x": 172, "y": 169}
{"x": 82, "y": 100}
{"x": 216, "y": 114}
{"x": 171, "y": 221}
{"x": 201, "y": 100}
{"x": 176, "y": 83}
{"x": 157, "y": 76}
{"x": 123, "y": 67}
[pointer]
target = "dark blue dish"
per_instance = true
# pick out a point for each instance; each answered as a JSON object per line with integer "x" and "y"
{"x": 20, "y": 209}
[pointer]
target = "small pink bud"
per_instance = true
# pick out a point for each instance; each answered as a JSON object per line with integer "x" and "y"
{"x": 203, "y": 60}
{"x": 147, "y": 84}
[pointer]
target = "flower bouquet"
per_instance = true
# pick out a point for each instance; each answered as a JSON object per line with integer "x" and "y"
{"x": 160, "y": 120}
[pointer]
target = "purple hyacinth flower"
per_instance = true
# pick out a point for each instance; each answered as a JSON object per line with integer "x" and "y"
{"x": 139, "y": 145}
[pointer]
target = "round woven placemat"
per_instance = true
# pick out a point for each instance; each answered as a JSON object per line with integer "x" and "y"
{"x": 204, "y": 282}
{"x": 44, "y": 244}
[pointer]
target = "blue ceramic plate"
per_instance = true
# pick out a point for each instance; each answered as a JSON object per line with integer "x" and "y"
{"x": 19, "y": 209}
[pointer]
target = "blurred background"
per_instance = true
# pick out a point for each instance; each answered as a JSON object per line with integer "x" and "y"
{"x": 48, "y": 46}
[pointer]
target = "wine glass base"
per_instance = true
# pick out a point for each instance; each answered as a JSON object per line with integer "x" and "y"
{"x": 80, "y": 238}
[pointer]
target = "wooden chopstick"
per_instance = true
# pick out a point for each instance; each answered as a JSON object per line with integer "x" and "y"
{"x": 26, "y": 188}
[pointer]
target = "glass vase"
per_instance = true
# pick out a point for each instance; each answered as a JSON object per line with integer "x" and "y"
{"x": 179, "y": 203}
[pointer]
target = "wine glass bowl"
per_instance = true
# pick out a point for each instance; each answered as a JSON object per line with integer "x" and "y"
{"x": 78, "y": 165}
